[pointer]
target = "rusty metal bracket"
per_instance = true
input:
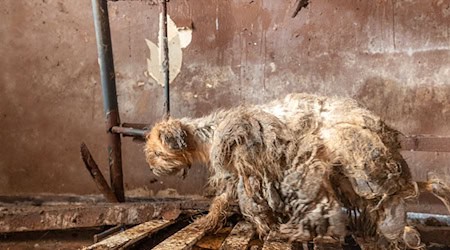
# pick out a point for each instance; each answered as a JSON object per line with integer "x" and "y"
{"x": 96, "y": 174}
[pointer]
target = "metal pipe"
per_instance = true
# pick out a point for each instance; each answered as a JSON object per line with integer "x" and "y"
{"x": 420, "y": 218}
{"x": 129, "y": 131}
{"x": 423, "y": 218}
{"x": 165, "y": 56}
{"x": 108, "y": 80}
{"x": 136, "y": 125}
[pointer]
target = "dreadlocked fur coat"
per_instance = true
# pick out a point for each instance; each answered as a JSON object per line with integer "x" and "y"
{"x": 294, "y": 165}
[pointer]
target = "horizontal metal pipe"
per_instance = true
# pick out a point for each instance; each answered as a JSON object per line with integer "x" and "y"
{"x": 423, "y": 218}
{"x": 129, "y": 131}
{"x": 143, "y": 126}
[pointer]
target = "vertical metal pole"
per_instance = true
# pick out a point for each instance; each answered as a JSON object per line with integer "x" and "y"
{"x": 108, "y": 80}
{"x": 165, "y": 56}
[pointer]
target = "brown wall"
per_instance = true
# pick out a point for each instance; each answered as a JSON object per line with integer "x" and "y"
{"x": 391, "y": 55}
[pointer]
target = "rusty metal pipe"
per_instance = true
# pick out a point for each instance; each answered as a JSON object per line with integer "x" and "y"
{"x": 108, "y": 80}
{"x": 165, "y": 56}
{"x": 422, "y": 218}
{"x": 136, "y": 125}
{"x": 129, "y": 131}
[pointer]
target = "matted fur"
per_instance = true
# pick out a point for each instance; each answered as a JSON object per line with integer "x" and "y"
{"x": 256, "y": 153}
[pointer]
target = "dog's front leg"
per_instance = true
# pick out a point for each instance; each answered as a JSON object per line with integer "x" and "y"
{"x": 218, "y": 212}
{"x": 220, "y": 205}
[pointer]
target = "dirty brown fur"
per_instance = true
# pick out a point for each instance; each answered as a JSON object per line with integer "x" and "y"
{"x": 266, "y": 156}
{"x": 280, "y": 176}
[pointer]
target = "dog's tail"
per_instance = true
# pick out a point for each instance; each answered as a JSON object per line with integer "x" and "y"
{"x": 438, "y": 188}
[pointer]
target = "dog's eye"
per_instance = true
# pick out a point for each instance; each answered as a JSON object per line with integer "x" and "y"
{"x": 157, "y": 153}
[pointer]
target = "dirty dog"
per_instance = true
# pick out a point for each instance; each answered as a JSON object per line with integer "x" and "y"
{"x": 344, "y": 147}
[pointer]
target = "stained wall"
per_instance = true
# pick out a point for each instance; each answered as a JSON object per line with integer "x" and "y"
{"x": 393, "y": 56}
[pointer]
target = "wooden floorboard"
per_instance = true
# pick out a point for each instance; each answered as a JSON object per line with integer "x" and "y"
{"x": 130, "y": 236}
{"x": 183, "y": 239}
{"x": 24, "y": 217}
{"x": 276, "y": 245}
{"x": 239, "y": 237}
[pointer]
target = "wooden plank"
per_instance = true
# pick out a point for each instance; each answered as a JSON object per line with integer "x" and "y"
{"x": 276, "y": 245}
{"x": 327, "y": 243}
{"x": 23, "y": 218}
{"x": 131, "y": 235}
{"x": 183, "y": 239}
{"x": 239, "y": 237}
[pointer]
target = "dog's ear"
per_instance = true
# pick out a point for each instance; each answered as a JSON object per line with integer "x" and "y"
{"x": 173, "y": 135}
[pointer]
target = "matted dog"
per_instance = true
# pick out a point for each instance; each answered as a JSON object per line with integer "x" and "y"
{"x": 294, "y": 163}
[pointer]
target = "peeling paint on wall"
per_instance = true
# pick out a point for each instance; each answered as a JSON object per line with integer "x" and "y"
{"x": 178, "y": 39}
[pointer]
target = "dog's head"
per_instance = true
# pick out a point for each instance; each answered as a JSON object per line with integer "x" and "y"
{"x": 167, "y": 148}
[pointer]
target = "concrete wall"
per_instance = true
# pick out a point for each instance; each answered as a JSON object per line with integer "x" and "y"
{"x": 393, "y": 56}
